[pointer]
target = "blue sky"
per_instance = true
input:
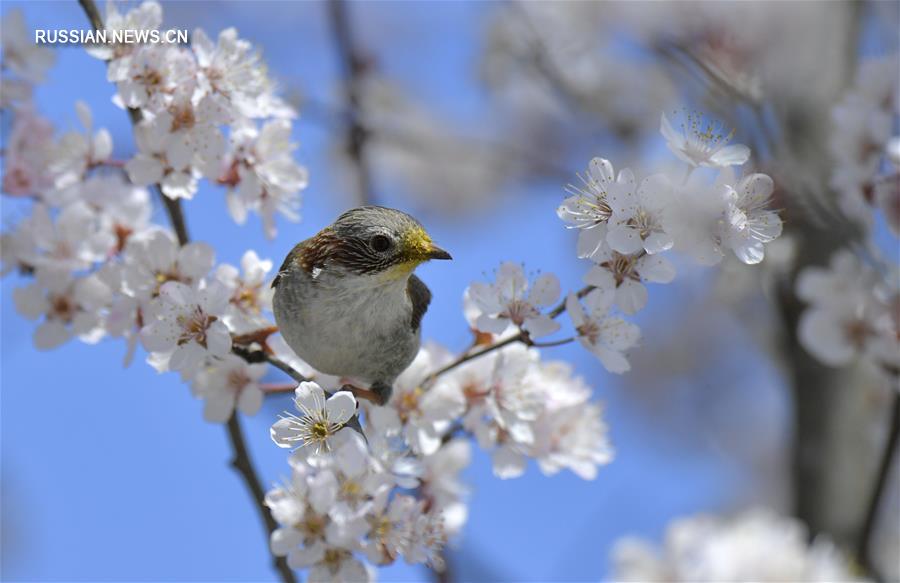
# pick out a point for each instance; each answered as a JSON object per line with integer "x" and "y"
{"x": 111, "y": 473}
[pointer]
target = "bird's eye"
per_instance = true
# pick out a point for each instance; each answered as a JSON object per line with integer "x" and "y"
{"x": 380, "y": 243}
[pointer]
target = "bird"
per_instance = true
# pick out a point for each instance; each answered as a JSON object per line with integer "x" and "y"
{"x": 347, "y": 302}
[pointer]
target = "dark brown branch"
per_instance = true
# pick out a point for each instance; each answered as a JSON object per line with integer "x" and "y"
{"x": 864, "y": 550}
{"x": 93, "y": 13}
{"x": 241, "y": 461}
{"x": 256, "y": 356}
{"x": 353, "y": 66}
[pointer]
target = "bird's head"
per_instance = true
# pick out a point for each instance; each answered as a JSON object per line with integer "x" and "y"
{"x": 374, "y": 240}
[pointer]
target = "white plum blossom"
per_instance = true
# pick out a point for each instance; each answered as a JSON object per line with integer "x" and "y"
{"x": 512, "y": 404}
{"x": 191, "y": 131}
{"x": 637, "y": 220}
{"x": 262, "y": 175}
{"x": 75, "y": 152}
{"x": 70, "y": 307}
{"x": 421, "y": 413}
{"x": 441, "y": 484}
{"x": 73, "y": 241}
{"x": 756, "y": 545}
{"x": 862, "y": 128}
{"x": 620, "y": 276}
{"x": 701, "y": 142}
{"x": 570, "y": 433}
{"x": 853, "y": 313}
{"x": 153, "y": 75}
{"x": 308, "y": 535}
{"x": 227, "y": 384}
{"x": 750, "y": 223}
{"x": 393, "y": 524}
{"x": 27, "y": 152}
{"x": 608, "y": 337}
{"x": 321, "y": 421}
{"x": 331, "y": 564}
{"x": 234, "y": 70}
{"x": 250, "y": 293}
{"x": 27, "y": 60}
{"x": 184, "y": 325}
{"x": 587, "y": 207}
{"x": 154, "y": 258}
{"x": 504, "y": 400}
{"x": 706, "y": 218}
{"x": 123, "y": 209}
{"x": 509, "y": 302}
{"x": 146, "y": 16}
{"x": 160, "y": 161}
{"x": 697, "y": 215}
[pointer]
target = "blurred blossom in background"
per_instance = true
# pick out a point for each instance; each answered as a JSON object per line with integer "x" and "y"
{"x": 746, "y": 436}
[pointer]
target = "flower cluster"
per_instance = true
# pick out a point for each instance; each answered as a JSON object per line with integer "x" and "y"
{"x": 98, "y": 266}
{"x": 756, "y": 545}
{"x": 390, "y": 488}
{"x": 185, "y": 96}
{"x": 864, "y": 145}
{"x": 25, "y": 63}
{"x": 625, "y": 225}
{"x": 350, "y": 499}
{"x": 854, "y": 312}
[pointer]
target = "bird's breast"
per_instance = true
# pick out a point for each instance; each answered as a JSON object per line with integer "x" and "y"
{"x": 348, "y": 326}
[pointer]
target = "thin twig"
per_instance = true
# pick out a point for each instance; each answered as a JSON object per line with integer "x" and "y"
{"x": 276, "y": 388}
{"x": 552, "y": 343}
{"x": 241, "y": 461}
{"x": 863, "y": 549}
{"x": 520, "y": 337}
{"x": 354, "y": 69}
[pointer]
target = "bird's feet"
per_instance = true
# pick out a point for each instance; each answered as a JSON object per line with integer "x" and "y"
{"x": 360, "y": 393}
{"x": 380, "y": 393}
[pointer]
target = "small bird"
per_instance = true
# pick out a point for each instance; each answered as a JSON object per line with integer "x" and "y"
{"x": 347, "y": 302}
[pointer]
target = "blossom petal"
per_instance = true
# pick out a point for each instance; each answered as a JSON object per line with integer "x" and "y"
{"x": 508, "y": 463}
{"x": 733, "y": 155}
{"x": 611, "y": 360}
{"x": 656, "y": 268}
{"x": 284, "y": 435}
{"x": 340, "y": 407}
{"x": 540, "y": 326}
{"x": 624, "y": 239}
{"x": 218, "y": 407}
{"x": 590, "y": 240}
{"x": 657, "y": 242}
{"x": 544, "y": 291}
{"x": 250, "y": 400}
{"x": 284, "y": 540}
{"x": 309, "y": 397}
{"x": 631, "y": 296}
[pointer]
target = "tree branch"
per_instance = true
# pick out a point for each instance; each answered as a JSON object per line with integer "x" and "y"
{"x": 244, "y": 466}
{"x": 863, "y": 549}
{"x": 241, "y": 460}
{"x": 354, "y": 68}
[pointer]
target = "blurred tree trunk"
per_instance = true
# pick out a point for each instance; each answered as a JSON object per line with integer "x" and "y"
{"x": 833, "y": 457}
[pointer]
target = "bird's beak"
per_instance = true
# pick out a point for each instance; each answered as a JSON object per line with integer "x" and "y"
{"x": 436, "y": 252}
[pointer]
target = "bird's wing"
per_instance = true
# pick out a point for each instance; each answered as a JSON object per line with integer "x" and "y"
{"x": 420, "y": 296}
